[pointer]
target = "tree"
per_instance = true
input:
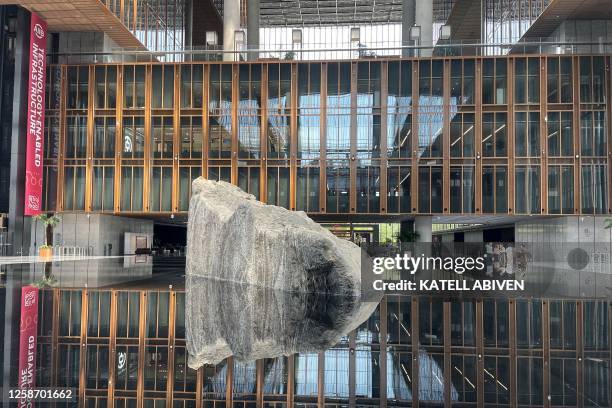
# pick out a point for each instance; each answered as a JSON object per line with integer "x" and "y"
{"x": 49, "y": 221}
{"x": 48, "y": 278}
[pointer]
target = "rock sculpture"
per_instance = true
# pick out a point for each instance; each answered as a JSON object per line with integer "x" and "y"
{"x": 263, "y": 281}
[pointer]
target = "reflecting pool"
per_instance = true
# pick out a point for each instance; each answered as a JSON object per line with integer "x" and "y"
{"x": 114, "y": 331}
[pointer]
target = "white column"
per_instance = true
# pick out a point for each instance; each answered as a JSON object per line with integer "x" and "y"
{"x": 253, "y": 27}
{"x": 407, "y": 22}
{"x": 231, "y": 23}
{"x": 422, "y": 225}
{"x": 424, "y": 19}
{"x": 188, "y": 40}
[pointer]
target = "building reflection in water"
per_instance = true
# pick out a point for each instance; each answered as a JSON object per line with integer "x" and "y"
{"x": 124, "y": 344}
{"x": 499, "y": 351}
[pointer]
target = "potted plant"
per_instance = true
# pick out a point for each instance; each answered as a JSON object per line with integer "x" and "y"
{"x": 49, "y": 221}
{"x": 408, "y": 236}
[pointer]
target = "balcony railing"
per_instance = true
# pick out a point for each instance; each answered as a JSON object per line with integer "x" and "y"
{"x": 318, "y": 52}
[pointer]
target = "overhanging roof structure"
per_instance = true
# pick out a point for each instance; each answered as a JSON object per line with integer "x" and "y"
{"x": 561, "y": 10}
{"x": 81, "y": 15}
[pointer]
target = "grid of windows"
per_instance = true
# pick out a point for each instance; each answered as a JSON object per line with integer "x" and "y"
{"x": 514, "y": 340}
{"x": 335, "y": 137}
{"x": 249, "y": 112}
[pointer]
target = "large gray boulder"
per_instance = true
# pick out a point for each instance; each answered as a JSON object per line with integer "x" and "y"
{"x": 232, "y": 236}
{"x": 263, "y": 281}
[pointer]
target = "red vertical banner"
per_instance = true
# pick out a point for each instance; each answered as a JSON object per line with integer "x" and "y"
{"x": 36, "y": 116}
{"x": 27, "y": 341}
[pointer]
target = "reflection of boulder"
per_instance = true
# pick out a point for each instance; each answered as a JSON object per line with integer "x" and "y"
{"x": 252, "y": 322}
{"x": 263, "y": 281}
{"x": 277, "y": 139}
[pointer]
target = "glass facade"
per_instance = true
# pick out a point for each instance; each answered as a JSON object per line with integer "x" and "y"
{"x": 158, "y": 24}
{"x": 505, "y": 22}
{"x": 129, "y": 346}
{"x": 503, "y": 135}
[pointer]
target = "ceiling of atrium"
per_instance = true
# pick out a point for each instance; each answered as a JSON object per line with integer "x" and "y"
{"x": 297, "y": 13}
{"x": 329, "y": 12}
{"x": 80, "y": 15}
{"x": 560, "y": 10}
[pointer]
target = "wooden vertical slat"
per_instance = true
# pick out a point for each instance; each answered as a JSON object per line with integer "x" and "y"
{"x": 290, "y": 380}
{"x": 511, "y": 138}
{"x": 384, "y": 163}
{"x": 543, "y": 135}
{"x": 54, "y": 337}
{"x": 321, "y": 380}
{"x": 512, "y": 317}
{"x": 91, "y": 91}
{"x": 478, "y": 134}
{"x": 171, "y": 346}
{"x": 414, "y": 319}
{"x": 134, "y": 16}
{"x": 62, "y": 140}
{"x": 580, "y": 354}
{"x": 446, "y": 136}
{"x": 609, "y": 349}
{"x": 235, "y": 97}
{"x": 353, "y": 138}
{"x": 479, "y": 353}
{"x": 205, "y": 121}
{"x": 294, "y": 137}
{"x": 83, "y": 347}
{"x": 229, "y": 383}
{"x": 199, "y": 387}
{"x": 576, "y": 132}
{"x": 352, "y": 377}
{"x": 546, "y": 352}
{"x": 122, "y": 10}
{"x": 113, "y": 349}
{"x": 50, "y": 160}
{"x": 414, "y": 184}
{"x": 142, "y": 330}
{"x": 146, "y": 29}
{"x": 608, "y": 90}
{"x": 263, "y": 177}
{"x": 147, "y": 140}
{"x": 323, "y": 142}
{"x": 383, "y": 352}
{"x": 259, "y": 368}
{"x": 446, "y": 334}
{"x": 176, "y": 139}
{"x": 118, "y": 139}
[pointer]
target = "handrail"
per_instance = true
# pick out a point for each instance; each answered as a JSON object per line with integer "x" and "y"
{"x": 216, "y": 50}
